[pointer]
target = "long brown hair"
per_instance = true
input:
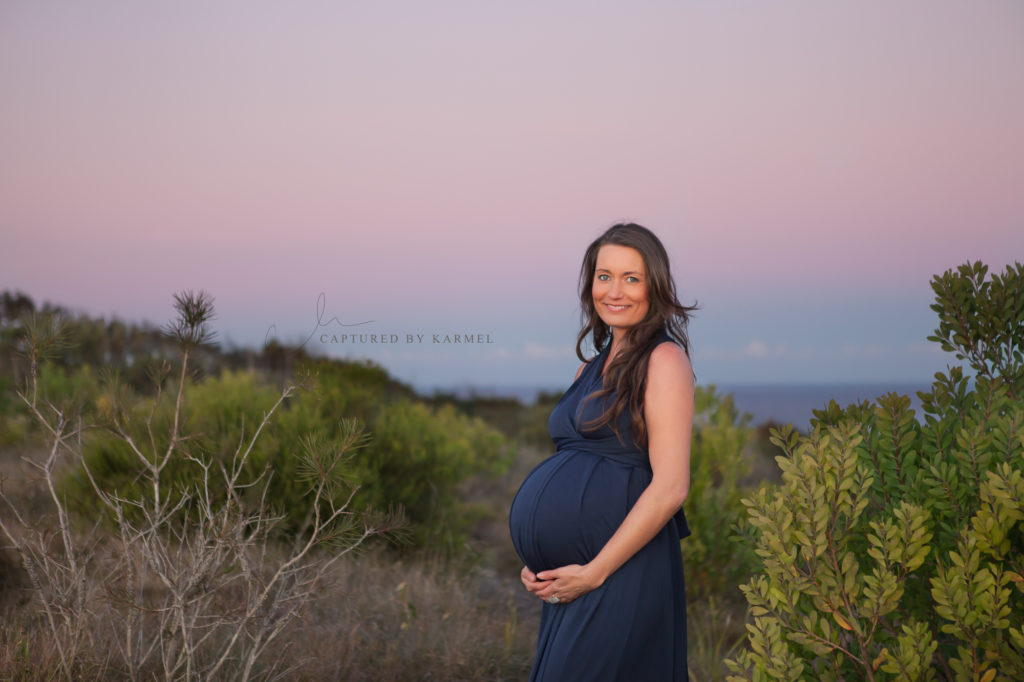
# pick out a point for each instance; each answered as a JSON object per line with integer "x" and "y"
{"x": 627, "y": 373}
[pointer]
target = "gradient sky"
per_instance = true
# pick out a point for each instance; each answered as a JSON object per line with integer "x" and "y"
{"x": 441, "y": 167}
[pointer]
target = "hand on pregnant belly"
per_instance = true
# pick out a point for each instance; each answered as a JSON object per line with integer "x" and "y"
{"x": 566, "y": 583}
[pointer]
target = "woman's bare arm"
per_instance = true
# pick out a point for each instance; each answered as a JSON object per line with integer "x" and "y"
{"x": 668, "y": 410}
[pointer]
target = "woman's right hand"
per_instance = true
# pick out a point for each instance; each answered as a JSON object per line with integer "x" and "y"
{"x": 530, "y": 581}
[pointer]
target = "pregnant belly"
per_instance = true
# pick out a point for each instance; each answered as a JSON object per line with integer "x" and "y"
{"x": 569, "y": 506}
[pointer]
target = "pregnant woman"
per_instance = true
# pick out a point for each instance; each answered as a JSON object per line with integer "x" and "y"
{"x": 598, "y": 523}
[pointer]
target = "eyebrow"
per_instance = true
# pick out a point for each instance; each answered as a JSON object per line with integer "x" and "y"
{"x": 628, "y": 272}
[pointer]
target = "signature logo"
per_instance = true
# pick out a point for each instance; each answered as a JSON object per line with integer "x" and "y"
{"x": 321, "y": 307}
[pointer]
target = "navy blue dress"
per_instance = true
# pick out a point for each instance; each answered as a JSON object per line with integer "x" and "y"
{"x": 633, "y": 627}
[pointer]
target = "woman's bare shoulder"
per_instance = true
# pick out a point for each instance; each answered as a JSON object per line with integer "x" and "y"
{"x": 669, "y": 361}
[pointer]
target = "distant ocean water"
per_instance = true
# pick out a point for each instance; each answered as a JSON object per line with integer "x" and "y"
{"x": 783, "y": 403}
{"x": 795, "y": 403}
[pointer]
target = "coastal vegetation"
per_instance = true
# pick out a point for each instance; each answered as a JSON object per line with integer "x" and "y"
{"x": 894, "y": 550}
{"x": 172, "y": 508}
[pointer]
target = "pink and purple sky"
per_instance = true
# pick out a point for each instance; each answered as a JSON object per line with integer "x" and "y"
{"x": 441, "y": 167}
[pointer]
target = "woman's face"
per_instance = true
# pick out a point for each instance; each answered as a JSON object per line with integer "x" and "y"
{"x": 620, "y": 286}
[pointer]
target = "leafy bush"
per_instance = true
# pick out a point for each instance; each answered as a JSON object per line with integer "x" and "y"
{"x": 417, "y": 459}
{"x": 892, "y": 549}
{"x": 414, "y": 460}
{"x": 714, "y": 562}
{"x": 218, "y": 413}
{"x": 73, "y": 389}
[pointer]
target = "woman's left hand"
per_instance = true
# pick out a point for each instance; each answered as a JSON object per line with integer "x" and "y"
{"x": 567, "y": 583}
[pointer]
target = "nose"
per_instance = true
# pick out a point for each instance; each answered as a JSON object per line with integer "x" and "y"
{"x": 615, "y": 290}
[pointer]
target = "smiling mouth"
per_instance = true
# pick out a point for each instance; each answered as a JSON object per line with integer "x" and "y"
{"x": 616, "y": 308}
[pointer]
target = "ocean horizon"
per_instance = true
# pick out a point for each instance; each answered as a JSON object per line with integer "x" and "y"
{"x": 782, "y": 403}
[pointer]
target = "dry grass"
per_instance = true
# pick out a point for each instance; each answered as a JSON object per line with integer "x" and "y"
{"x": 715, "y": 629}
{"x": 380, "y": 617}
{"x": 373, "y": 618}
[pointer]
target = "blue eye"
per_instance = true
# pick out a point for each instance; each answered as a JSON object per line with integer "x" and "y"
{"x": 632, "y": 278}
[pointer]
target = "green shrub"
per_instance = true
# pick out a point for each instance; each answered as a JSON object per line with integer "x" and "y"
{"x": 892, "y": 549}
{"x": 354, "y": 389}
{"x": 418, "y": 457}
{"x": 714, "y": 561}
{"x": 72, "y": 389}
{"x": 414, "y": 459}
{"x": 217, "y": 414}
